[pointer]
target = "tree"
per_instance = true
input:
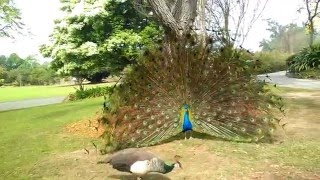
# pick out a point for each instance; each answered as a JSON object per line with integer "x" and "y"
{"x": 13, "y": 62}
{"x": 312, "y": 8}
{"x": 10, "y": 19}
{"x": 176, "y": 16}
{"x": 102, "y": 39}
{"x": 230, "y": 21}
{"x": 284, "y": 38}
{"x": 226, "y": 20}
{"x": 17, "y": 71}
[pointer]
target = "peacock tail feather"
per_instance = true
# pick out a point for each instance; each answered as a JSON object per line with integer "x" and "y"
{"x": 224, "y": 98}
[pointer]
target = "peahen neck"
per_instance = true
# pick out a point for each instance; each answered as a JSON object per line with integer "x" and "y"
{"x": 168, "y": 168}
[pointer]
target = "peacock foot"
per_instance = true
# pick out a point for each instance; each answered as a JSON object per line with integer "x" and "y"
{"x": 139, "y": 178}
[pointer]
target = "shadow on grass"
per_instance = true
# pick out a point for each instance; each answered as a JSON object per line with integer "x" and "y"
{"x": 146, "y": 177}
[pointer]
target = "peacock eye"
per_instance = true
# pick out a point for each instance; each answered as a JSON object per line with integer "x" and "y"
{"x": 145, "y": 123}
{"x": 259, "y": 131}
{"x": 265, "y": 119}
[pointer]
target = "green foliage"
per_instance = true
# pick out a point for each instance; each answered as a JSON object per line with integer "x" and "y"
{"x": 271, "y": 61}
{"x": 17, "y": 71}
{"x": 106, "y": 36}
{"x": 9, "y": 18}
{"x": 307, "y": 59}
{"x": 308, "y": 74}
{"x": 89, "y": 93}
{"x": 1, "y": 82}
{"x": 285, "y": 38}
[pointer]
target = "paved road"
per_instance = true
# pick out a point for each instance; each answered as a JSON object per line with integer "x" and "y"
{"x": 4, "y": 106}
{"x": 281, "y": 79}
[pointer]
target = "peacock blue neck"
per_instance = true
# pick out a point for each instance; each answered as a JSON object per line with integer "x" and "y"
{"x": 187, "y": 126}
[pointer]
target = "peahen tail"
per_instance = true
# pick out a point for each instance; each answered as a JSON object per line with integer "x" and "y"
{"x": 224, "y": 98}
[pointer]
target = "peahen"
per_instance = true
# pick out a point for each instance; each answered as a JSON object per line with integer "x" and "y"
{"x": 139, "y": 162}
{"x": 192, "y": 86}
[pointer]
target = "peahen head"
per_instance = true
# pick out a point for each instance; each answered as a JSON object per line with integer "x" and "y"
{"x": 177, "y": 164}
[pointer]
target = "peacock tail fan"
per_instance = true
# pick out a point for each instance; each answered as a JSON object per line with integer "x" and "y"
{"x": 224, "y": 98}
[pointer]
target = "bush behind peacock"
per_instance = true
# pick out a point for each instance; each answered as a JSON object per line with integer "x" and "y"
{"x": 191, "y": 85}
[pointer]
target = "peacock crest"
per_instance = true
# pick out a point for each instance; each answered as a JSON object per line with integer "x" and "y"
{"x": 187, "y": 83}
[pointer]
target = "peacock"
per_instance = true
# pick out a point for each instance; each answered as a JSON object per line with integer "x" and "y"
{"x": 139, "y": 162}
{"x": 189, "y": 85}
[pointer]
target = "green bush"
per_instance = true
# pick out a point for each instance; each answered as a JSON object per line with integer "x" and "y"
{"x": 307, "y": 74}
{"x": 1, "y": 82}
{"x": 272, "y": 61}
{"x": 89, "y": 93}
{"x": 307, "y": 59}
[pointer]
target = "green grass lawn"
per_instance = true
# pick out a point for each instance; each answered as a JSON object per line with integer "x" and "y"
{"x": 29, "y": 92}
{"x": 33, "y": 144}
{"x": 28, "y": 135}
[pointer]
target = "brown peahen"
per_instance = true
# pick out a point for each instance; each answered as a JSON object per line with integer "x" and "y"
{"x": 139, "y": 162}
{"x": 192, "y": 86}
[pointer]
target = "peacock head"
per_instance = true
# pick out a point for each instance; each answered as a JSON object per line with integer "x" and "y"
{"x": 185, "y": 106}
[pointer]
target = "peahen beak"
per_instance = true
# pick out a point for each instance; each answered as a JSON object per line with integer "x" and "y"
{"x": 177, "y": 158}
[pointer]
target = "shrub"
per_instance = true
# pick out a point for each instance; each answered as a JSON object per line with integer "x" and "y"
{"x": 272, "y": 61}
{"x": 307, "y": 59}
{"x": 89, "y": 93}
{"x": 307, "y": 74}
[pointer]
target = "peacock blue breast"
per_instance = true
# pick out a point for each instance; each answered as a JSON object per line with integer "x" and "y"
{"x": 187, "y": 125}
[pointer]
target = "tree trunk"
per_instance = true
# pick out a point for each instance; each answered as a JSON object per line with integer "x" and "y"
{"x": 175, "y": 15}
{"x": 311, "y": 35}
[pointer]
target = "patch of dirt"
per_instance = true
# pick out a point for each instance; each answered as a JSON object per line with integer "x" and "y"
{"x": 198, "y": 162}
{"x": 89, "y": 128}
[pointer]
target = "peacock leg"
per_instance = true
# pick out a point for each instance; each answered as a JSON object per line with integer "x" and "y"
{"x": 185, "y": 135}
{"x": 190, "y": 134}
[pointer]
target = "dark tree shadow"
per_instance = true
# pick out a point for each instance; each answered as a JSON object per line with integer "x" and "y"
{"x": 146, "y": 177}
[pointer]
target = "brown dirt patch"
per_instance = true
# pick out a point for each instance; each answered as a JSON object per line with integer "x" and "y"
{"x": 89, "y": 127}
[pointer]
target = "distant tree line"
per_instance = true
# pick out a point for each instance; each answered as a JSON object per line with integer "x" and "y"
{"x": 289, "y": 38}
{"x": 17, "y": 71}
